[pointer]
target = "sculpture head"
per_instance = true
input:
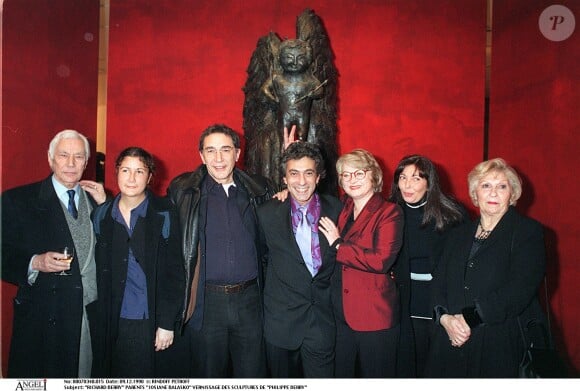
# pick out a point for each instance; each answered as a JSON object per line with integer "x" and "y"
{"x": 295, "y": 55}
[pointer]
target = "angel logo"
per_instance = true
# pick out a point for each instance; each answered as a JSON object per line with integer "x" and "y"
{"x": 291, "y": 82}
{"x": 30, "y": 385}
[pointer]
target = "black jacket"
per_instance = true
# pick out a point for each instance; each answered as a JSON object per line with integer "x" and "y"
{"x": 501, "y": 280}
{"x": 155, "y": 243}
{"x": 297, "y": 306}
{"x": 185, "y": 192}
{"x": 47, "y": 315}
{"x": 406, "y": 360}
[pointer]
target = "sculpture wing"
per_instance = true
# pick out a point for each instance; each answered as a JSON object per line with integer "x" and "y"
{"x": 259, "y": 112}
{"x": 323, "y": 120}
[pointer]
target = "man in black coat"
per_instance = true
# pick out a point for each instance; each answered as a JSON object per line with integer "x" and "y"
{"x": 299, "y": 324}
{"x": 222, "y": 316}
{"x": 52, "y": 312}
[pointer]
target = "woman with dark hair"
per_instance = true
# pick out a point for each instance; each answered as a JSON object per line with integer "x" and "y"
{"x": 429, "y": 215}
{"x": 140, "y": 271}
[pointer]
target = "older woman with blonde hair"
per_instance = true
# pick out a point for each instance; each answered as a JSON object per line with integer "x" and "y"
{"x": 487, "y": 281}
{"x": 365, "y": 297}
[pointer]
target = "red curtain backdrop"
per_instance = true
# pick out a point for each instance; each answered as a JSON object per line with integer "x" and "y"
{"x": 49, "y": 83}
{"x": 412, "y": 76}
{"x": 533, "y": 125}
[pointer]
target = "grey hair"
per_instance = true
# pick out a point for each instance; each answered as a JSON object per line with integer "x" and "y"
{"x": 66, "y": 134}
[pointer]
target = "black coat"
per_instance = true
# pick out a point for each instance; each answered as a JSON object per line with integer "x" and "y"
{"x": 48, "y": 314}
{"x": 501, "y": 279}
{"x": 155, "y": 242}
{"x": 185, "y": 192}
{"x": 296, "y": 305}
{"x": 406, "y": 359}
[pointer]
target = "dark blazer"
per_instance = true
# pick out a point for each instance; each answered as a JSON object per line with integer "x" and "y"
{"x": 296, "y": 305}
{"x": 370, "y": 299}
{"x": 47, "y": 315}
{"x": 501, "y": 280}
{"x": 155, "y": 242}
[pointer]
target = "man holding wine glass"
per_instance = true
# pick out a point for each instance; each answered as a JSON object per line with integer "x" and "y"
{"x": 52, "y": 308}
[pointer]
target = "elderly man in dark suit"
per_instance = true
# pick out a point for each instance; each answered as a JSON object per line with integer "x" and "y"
{"x": 299, "y": 325}
{"x": 52, "y": 309}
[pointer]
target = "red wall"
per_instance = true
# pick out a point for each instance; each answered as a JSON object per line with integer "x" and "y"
{"x": 411, "y": 81}
{"x": 535, "y": 90}
{"x": 49, "y": 83}
{"x": 411, "y": 75}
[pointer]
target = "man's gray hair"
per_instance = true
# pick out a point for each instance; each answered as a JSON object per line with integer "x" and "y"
{"x": 65, "y": 134}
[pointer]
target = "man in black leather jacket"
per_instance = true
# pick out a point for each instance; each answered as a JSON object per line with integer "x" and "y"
{"x": 222, "y": 313}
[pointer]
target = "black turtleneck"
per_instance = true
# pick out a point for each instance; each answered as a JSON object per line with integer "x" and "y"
{"x": 420, "y": 242}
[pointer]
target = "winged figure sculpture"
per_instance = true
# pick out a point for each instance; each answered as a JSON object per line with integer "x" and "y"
{"x": 292, "y": 82}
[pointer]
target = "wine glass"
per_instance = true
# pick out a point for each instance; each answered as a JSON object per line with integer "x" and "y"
{"x": 69, "y": 254}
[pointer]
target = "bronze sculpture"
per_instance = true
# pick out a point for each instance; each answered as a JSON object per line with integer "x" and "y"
{"x": 294, "y": 88}
{"x": 291, "y": 82}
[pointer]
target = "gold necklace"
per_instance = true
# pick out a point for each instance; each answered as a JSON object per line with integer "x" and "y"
{"x": 484, "y": 234}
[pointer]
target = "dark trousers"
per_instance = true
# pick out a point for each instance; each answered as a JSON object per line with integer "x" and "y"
{"x": 367, "y": 354}
{"x": 302, "y": 362}
{"x": 422, "y": 331}
{"x": 230, "y": 342}
{"x": 133, "y": 350}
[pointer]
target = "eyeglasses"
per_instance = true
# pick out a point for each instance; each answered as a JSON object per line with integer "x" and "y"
{"x": 358, "y": 174}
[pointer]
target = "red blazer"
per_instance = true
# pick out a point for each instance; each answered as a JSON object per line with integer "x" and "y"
{"x": 369, "y": 293}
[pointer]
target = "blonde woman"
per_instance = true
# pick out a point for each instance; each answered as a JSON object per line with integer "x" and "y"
{"x": 488, "y": 278}
{"x": 365, "y": 297}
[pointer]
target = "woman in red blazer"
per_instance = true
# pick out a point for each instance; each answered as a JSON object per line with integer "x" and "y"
{"x": 365, "y": 297}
